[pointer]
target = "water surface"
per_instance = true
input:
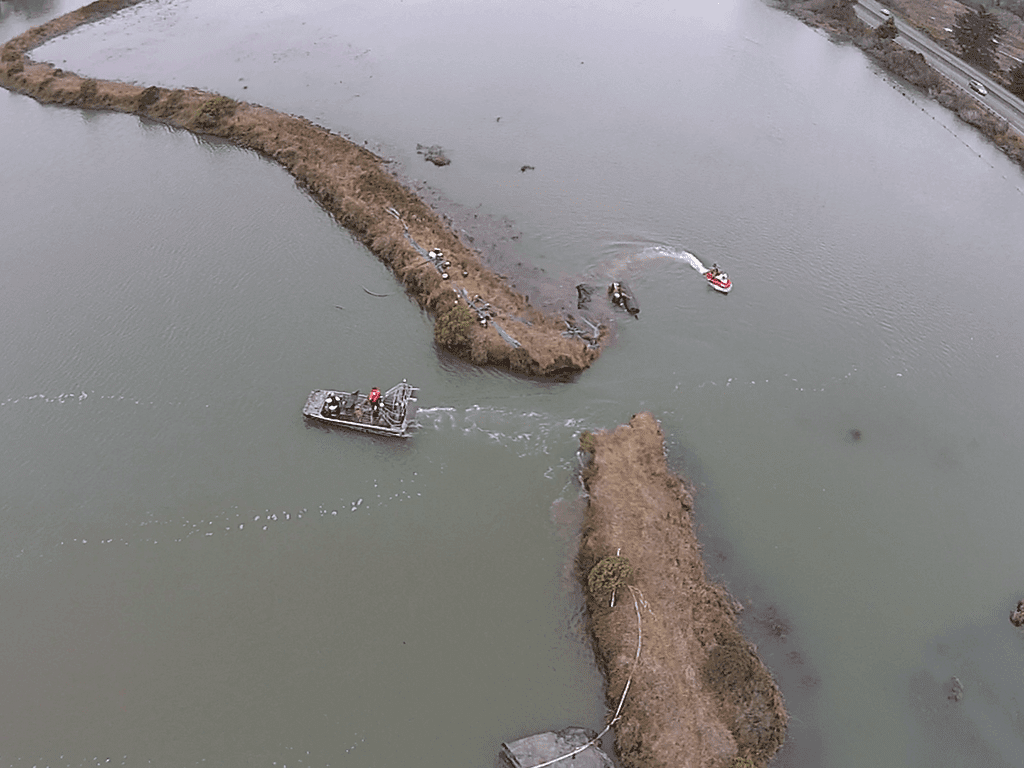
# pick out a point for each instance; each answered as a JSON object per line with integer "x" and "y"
{"x": 196, "y": 575}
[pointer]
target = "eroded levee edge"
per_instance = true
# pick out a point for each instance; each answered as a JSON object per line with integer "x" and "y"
{"x": 477, "y": 314}
{"x": 698, "y": 693}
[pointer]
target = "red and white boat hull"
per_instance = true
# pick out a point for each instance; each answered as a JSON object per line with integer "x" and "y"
{"x": 719, "y": 282}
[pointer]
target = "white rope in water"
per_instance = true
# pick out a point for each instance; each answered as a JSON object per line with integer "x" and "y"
{"x": 622, "y": 699}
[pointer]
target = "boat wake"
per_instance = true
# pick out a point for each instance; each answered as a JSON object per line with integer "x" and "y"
{"x": 684, "y": 256}
{"x": 529, "y": 433}
{"x": 627, "y": 265}
{"x": 693, "y": 261}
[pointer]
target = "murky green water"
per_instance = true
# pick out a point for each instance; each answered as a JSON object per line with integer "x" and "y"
{"x": 193, "y": 575}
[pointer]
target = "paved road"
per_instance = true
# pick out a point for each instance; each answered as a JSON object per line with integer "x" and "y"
{"x": 998, "y": 101}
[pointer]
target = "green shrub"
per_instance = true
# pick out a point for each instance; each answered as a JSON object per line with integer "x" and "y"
{"x": 609, "y": 574}
{"x": 452, "y": 328}
{"x": 587, "y": 441}
{"x": 887, "y": 30}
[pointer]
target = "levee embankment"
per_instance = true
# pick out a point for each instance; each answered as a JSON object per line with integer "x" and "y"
{"x": 698, "y": 694}
{"x": 478, "y": 315}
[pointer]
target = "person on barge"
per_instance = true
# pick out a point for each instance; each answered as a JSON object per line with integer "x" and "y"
{"x": 374, "y": 399}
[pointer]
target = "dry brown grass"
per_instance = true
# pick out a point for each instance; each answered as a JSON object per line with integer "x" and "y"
{"x": 699, "y": 695}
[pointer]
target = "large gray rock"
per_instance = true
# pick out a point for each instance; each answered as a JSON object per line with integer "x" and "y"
{"x": 538, "y": 750}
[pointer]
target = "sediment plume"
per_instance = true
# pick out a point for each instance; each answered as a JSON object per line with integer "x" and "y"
{"x": 697, "y": 693}
{"x": 478, "y": 315}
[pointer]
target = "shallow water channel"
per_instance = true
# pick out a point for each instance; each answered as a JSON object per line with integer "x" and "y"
{"x": 191, "y": 575}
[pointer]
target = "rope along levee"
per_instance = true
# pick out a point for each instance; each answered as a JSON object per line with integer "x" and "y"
{"x": 622, "y": 699}
{"x": 483, "y": 310}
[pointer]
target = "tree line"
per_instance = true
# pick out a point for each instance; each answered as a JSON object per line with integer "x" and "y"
{"x": 976, "y": 34}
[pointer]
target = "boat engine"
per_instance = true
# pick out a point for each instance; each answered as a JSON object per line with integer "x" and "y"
{"x": 332, "y": 407}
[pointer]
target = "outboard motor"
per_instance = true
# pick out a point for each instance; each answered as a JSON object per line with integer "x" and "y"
{"x": 332, "y": 407}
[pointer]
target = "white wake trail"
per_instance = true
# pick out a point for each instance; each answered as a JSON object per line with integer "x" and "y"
{"x": 670, "y": 253}
{"x": 693, "y": 261}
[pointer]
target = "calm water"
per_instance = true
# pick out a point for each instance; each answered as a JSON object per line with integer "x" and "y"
{"x": 191, "y": 575}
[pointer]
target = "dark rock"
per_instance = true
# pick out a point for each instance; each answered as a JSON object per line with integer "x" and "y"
{"x": 1017, "y": 617}
{"x": 956, "y": 690}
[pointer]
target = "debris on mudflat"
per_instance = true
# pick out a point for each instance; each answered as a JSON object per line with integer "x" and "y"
{"x": 436, "y": 257}
{"x": 582, "y": 329}
{"x": 434, "y": 154}
{"x": 484, "y": 312}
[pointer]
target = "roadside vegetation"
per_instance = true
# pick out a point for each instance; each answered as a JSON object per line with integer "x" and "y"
{"x": 977, "y": 34}
{"x": 988, "y": 34}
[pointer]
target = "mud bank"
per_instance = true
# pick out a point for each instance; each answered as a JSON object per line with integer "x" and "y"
{"x": 698, "y": 693}
{"x": 478, "y": 315}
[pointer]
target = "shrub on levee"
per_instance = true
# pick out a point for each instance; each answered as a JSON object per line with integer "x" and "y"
{"x": 213, "y": 111}
{"x": 452, "y": 328}
{"x": 609, "y": 574}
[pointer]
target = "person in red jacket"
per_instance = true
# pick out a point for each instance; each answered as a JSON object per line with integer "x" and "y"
{"x": 374, "y": 399}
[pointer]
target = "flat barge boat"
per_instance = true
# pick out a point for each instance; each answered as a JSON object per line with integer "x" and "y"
{"x": 394, "y": 414}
